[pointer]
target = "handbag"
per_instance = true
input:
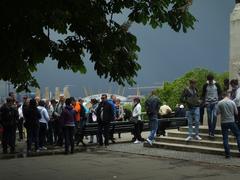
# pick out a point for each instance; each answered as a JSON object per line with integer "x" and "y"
{"x": 134, "y": 119}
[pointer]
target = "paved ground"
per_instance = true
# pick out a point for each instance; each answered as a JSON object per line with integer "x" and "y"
{"x": 103, "y": 164}
{"x": 118, "y": 161}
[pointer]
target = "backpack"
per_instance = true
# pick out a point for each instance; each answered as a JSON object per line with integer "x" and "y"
{"x": 8, "y": 116}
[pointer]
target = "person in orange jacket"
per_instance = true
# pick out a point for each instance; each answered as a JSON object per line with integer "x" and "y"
{"x": 79, "y": 127}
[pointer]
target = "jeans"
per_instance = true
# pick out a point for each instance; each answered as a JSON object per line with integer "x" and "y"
{"x": 50, "y": 132}
{"x": 42, "y": 134}
{"x": 153, "y": 123}
{"x": 80, "y": 126}
{"x": 212, "y": 117}
{"x": 103, "y": 129}
{"x": 20, "y": 128}
{"x": 8, "y": 138}
{"x": 68, "y": 132}
{"x": 193, "y": 113}
{"x": 137, "y": 130}
{"x": 234, "y": 129}
{"x": 32, "y": 136}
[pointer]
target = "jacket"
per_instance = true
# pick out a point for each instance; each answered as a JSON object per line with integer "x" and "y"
{"x": 105, "y": 112}
{"x": 9, "y": 116}
{"x": 68, "y": 116}
{"x": 190, "y": 97}
{"x": 204, "y": 90}
{"x": 152, "y": 105}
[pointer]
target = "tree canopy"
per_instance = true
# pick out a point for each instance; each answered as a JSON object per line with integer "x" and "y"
{"x": 88, "y": 26}
{"x": 171, "y": 91}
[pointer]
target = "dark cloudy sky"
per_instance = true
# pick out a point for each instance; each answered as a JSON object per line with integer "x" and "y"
{"x": 165, "y": 55}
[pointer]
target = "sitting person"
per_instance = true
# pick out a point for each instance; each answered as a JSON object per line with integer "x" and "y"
{"x": 165, "y": 111}
{"x": 180, "y": 111}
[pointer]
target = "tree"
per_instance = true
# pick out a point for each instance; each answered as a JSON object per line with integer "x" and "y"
{"x": 88, "y": 26}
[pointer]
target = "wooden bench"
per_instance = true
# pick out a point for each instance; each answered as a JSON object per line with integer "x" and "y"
{"x": 127, "y": 126}
{"x": 119, "y": 127}
{"x": 170, "y": 123}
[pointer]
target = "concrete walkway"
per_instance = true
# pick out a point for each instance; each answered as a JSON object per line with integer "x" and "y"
{"x": 124, "y": 145}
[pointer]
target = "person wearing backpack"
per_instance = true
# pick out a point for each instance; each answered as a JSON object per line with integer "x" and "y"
{"x": 192, "y": 101}
{"x": 152, "y": 106}
{"x": 32, "y": 117}
{"x": 8, "y": 120}
{"x": 211, "y": 94}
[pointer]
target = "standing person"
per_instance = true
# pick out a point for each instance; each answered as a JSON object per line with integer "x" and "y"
{"x": 112, "y": 102}
{"x": 58, "y": 126}
{"x": 50, "y": 109}
{"x": 93, "y": 115}
{"x": 8, "y": 120}
{"x": 68, "y": 119}
{"x": 235, "y": 87}
{"x": 227, "y": 108}
{"x": 82, "y": 123}
{"x": 77, "y": 108}
{"x": 211, "y": 94}
{"x": 43, "y": 125}
{"x": 105, "y": 115}
{"x": 136, "y": 113}
{"x": 21, "y": 120}
{"x": 119, "y": 113}
{"x": 235, "y": 96}
{"x": 192, "y": 101}
{"x": 152, "y": 106}
{"x": 32, "y": 117}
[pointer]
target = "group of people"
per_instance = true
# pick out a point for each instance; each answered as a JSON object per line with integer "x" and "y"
{"x": 217, "y": 102}
{"x": 62, "y": 122}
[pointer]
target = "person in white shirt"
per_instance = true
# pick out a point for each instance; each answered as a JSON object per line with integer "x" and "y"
{"x": 136, "y": 114}
{"x": 235, "y": 96}
{"x": 43, "y": 125}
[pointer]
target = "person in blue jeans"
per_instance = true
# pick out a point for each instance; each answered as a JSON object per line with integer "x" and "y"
{"x": 211, "y": 94}
{"x": 227, "y": 109}
{"x": 192, "y": 101}
{"x": 152, "y": 106}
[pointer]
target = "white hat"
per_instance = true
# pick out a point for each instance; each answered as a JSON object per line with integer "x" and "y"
{"x": 181, "y": 106}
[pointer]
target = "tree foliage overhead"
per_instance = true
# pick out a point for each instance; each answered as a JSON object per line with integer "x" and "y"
{"x": 171, "y": 92}
{"x": 88, "y": 26}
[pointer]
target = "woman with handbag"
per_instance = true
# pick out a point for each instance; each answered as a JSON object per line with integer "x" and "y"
{"x": 136, "y": 117}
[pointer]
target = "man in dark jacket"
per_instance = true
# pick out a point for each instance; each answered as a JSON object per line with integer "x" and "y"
{"x": 211, "y": 94}
{"x": 9, "y": 118}
{"x": 192, "y": 101}
{"x": 105, "y": 115}
{"x": 152, "y": 106}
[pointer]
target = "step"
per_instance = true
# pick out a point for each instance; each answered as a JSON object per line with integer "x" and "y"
{"x": 202, "y": 129}
{"x": 207, "y": 143}
{"x": 175, "y": 133}
{"x": 190, "y": 148}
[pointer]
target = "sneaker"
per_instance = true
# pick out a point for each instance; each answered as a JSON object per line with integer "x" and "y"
{"x": 137, "y": 142}
{"x": 44, "y": 148}
{"x": 198, "y": 137}
{"x": 38, "y": 150}
{"x": 188, "y": 138}
{"x": 149, "y": 141}
{"x": 228, "y": 156}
